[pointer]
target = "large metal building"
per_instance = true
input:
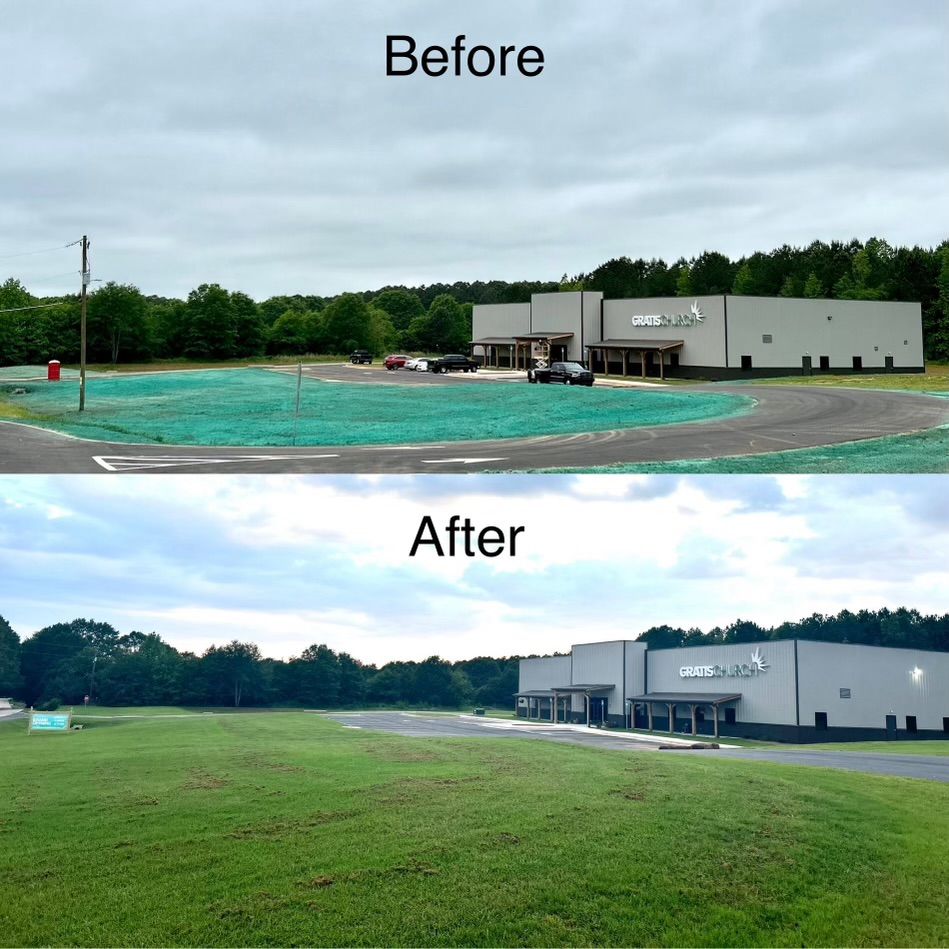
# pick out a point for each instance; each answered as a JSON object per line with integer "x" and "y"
{"x": 784, "y": 690}
{"x": 717, "y": 337}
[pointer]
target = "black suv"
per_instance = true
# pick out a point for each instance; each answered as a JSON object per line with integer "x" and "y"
{"x": 361, "y": 356}
{"x": 569, "y": 373}
{"x": 454, "y": 362}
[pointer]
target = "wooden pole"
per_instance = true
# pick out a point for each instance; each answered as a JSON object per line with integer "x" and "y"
{"x": 82, "y": 324}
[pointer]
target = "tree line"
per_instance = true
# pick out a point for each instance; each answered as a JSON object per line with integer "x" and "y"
{"x": 216, "y": 323}
{"x": 62, "y": 663}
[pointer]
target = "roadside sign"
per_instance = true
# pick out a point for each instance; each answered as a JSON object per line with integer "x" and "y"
{"x": 49, "y": 722}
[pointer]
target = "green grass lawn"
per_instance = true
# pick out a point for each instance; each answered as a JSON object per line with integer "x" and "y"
{"x": 287, "y": 829}
{"x": 255, "y": 407}
{"x": 934, "y": 379}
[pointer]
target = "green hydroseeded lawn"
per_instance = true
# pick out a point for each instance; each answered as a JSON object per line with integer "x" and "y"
{"x": 925, "y": 452}
{"x": 255, "y": 407}
{"x": 287, "y": 829}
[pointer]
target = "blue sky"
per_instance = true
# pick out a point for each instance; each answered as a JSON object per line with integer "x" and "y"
{"x": 261, "y": 146}
{"x": 291, "y": 561}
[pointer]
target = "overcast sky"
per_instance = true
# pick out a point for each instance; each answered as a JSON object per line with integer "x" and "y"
{"x": 293, "y": 561}
{"x": 261, "y": 146}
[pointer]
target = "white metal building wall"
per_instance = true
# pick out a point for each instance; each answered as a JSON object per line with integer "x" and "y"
{"x": 768, "y": 697}
{"x": 881, "y": 681}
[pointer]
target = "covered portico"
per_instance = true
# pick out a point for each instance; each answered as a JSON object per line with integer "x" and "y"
{"x": 643, "y": 348}
{"x": 695, "y": 701}
{"x": 492, "y": 349}
{"x": 559, "y": 700}
{"x": 523, "y": 344}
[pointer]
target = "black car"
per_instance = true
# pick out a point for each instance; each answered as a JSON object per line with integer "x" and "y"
{"x": 569, "y": 373}
{"x": 453, "y": 362}
{"x": 361, "y": 356}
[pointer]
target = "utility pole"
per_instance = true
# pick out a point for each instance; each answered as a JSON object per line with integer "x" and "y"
{"x": 82, "y": 332}
{"x": 92, "y": 678}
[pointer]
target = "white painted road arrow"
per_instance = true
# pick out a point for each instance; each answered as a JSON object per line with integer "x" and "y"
{"x": 144, "y": 462}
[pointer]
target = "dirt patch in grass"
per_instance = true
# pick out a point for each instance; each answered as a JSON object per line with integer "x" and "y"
{"x": 204, "y": 781}
{"x": 277, "y": 829}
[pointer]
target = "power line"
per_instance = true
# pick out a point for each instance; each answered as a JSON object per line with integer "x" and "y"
{"x": 39, "y": 306}
{"x": 45, "y": 250}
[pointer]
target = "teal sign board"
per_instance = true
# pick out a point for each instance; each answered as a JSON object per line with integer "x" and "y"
{"x": 49, "y": 722}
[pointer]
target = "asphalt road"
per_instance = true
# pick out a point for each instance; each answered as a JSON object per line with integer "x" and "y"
{"x": 784, "y": 417}
{"x": 419, "y": 725}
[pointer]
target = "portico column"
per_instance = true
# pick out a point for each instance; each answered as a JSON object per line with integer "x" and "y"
{"x": 553, "y": 709}
{"x": 715, "y": 713}
{"x": 625, "y": 362}
{"x": 662, "y": 369}
{"x": 672, "y": 717}
{"x": 586, "y": 704}
{"x": 642, "y": 360}
{"x": 649, "y": 707}
{"x": 694, "y": 720}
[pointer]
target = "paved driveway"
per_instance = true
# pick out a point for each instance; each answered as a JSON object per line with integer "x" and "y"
{"x": 421, "y": 725}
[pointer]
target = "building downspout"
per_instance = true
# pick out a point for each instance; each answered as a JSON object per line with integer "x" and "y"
{"x": 725, "y": 310}
{"x": 797, "y": 695}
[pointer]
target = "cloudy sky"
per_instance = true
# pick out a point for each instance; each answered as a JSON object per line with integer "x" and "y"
{"x": 261, "y": 146}
{"x": 289, "y": 562}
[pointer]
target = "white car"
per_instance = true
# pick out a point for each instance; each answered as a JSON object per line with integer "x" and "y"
{"x": 419, "y": 365}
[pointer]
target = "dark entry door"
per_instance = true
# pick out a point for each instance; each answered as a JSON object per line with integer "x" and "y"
{"x": 597, "y": 711}
{"x": 888, "y": 363}
{"x": 891, "y": 726}
{"x": 805, "y": 365}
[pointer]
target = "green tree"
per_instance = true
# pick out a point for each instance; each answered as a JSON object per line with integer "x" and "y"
{"x": 402, "y": 306}
{"x": 212, "y": 329}
{"x": 233, "y": 671}
{"x": 11, "y": 681}
{"x": 347, "y": 324}
{"x": 291, "y": 334}
{"x": 447, "y": 328}
{"x": 813, "y": 289}
{"x": 745, "y": 283}
{"x": 116, "y": 321}
{"x": 249, "y": 326}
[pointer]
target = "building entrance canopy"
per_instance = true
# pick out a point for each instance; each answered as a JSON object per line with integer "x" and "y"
{"x": 692, "y": 699}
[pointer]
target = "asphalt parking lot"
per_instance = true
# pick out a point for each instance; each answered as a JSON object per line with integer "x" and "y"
{"x": 783, "y": 417}
{"x": 422, "y": 725}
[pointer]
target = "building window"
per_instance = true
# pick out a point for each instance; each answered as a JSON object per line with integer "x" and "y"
{"x": 911, "y": 724}
{"x": 845, "y": 693}
{"x": 824, "y": 363}
{"x": 858, "y": 363}
{"x": 746, "y": 362}
{"x": 820, "y": 721}
{"x": 729, "y": 716}
{"x": 673, "y": 360}
{"x": 767, "y": 338}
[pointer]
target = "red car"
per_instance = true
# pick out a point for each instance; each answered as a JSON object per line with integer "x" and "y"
{"x": 396, "y": 362}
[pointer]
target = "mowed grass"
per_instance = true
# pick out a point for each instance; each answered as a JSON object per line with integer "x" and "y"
{"x": 287, "y": 829}
{"x": 880, "y": 747}
{"x": 934, "y": 379}
{"x": 255, "y": 407}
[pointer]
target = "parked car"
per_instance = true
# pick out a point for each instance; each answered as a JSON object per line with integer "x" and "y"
{"x": 395, "y": 362}
{"x": 453, "y": 362}
{"x": 418, "y": 365}
{"x": 569, "y": 373}
{"x": 361, "y": 356}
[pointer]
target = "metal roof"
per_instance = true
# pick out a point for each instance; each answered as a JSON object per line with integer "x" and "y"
{"x": 550, "y": 334}
{"x": 494, "y": 341}
{"x": 583, "y": 688}
{"x": 696, "y": 698}
{"x": 659, "y": 345}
